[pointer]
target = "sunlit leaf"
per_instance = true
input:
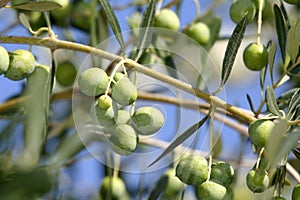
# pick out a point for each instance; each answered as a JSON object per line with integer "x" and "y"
{"x": 280, "y": 29}
{"x": 145, "y": 34}
{"x": 271, "y": 101}
{"x": 40, "y": 6}
{"x": 271, "y": 57}
{"x": 181, "y": 138}
{"x": 293, "y": 41}
{"x": 113, "y": 21}
{"x": 232, "y": 49}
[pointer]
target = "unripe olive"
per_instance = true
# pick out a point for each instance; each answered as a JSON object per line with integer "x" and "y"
{"x": 63, "y": 12}
{"x": 257, "y": 181}
{"x": 239, "y": 8}
{"x": 192, "y": 170}
{"x": 105, "y": 117}
{"x": 66, "y": 73}
{"x": 4, "y": 60}
{"x": 210, "y": 190}
{"x": 147, "y": 120}
{"x": 123, "y": 117}
{"x": 255, "y": 56}
{"x": 222, "y": 173}
{"x": 296, "y": 192}
{"x": 123, "y": 91}
{"x": 295, "y": 2}
{"x": 124, "y": 139}
{"x": 81, "y": 15}
{"x": 22, "y": 64}
{"x": 104, "y": 102}
{"x": 93, "y": 81}
{"x": 167, "y": 19}
{"x": 278, "y": 198}
{"x": 199, "y": 32}
{"x": 174, "y": 185}
{"x": 259, "y": 131}
{"x": 112, "y": 188}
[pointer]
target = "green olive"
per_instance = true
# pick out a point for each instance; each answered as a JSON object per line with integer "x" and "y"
{"x": 66, "y": 74}
{"x": 222, "y": 173}
{"x": 124, "y": 139}
{"x": 210, "y": 190}
{"x": 22, "y": 64}
{"x": 259, "y": 131}
{"x": 295, "y": 2}
{"x": 239, "y": 8}
{"x": 93, "y": 81}
{"x": 296, "y": 192}
{"x": 4, "y": 60}
{"x": 199, "y": 32}
{"x": 257, "y": 181}
{"x": 104, "y": 102}
{"x": 255, "y": 56}
{"x": 192, "y": 170}
{"x": 112, "y": 188}
{"x": 123, "y": 117}
{"x": 167, "y": 19}
{"x": 123, "y": 91}
{"x": 174, "y": 185}
{"x": 147, "y": 120}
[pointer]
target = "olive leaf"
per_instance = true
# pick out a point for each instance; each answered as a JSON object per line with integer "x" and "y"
{"x": 181, "y": 138}
{"x": 250, "y": 103}
{"x": 285, "y": 98}
{"x": 293, "y": 104}
{"x": 280, "y": 29}
{"x": 262, "y": 78}
{"x": 232, "y": 49}
{"x": 271, "y": 101}
{"x": 145, "y": 34}
{"x": 40, "y": 6}
{"x": 271, "y": 57}
{"x": 160, "y": 186}
{"x": 113, "y": 21}
{"x": 293, "y": 41}
{"x": 24, "y": 20}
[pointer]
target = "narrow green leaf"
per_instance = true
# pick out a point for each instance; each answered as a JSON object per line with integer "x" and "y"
{"x": 160, "y": 186}
{"x": 280, "y": 29}
{"x": 113, "y": 21}
{"x": 293, "y": 41}
{"x": 285, "y": 15}
{"x": 145, "y": 34}
{"x": 181, "y": 138}
{"x": 232, "y": 49}
{"x": 250, "y": 103}
{"x": 262, "y": 79}
{"x": 24, "y": 20}
{"x": 271, "y": 101}
{"x": 40, "y": 6}
{"x": 271, "y": 57}
{"x": 293, "y": 104}
{"x": 285, "y": 98}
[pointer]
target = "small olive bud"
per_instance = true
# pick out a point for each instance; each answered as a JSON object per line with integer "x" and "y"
{"x": 4, "y": 60}
{"x": 147, "y": 120}
{"x": 124, "y": 91}
{"x": 93, "y": 81}
{"x": 124, "y": 139}
{"x": 104, "y": 102}
{"x": 112, "y": 188}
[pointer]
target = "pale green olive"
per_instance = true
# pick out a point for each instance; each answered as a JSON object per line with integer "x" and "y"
{"x": 199, "y": 32}
{"x": 4, "y": 60}
{"x": 104, "y": 102}
{"x": 260, "y": 131}
{"x": 93, "y": 81}
{"x": 167, "y": 19}
{"x": 210, "y": 190}
{"x": 124, "y": 139}
{"x": 255, "y": 56}
{"x": 123, "y": 117}
{"x": 22, "y": 64}
{"x": 173, "y": 186}
{"x": 147, "y": 120}
{"x": 192, "y": 170}
{"x": 112, "y": 188}
{"x": 105, "y": 117}
{"x": 257, "y": 181}
{"x": 239, "y": 8}
{"x": 222, "y": 173}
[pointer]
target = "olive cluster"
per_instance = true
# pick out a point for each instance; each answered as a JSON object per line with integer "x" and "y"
{"x": 194, "y": 170}
{"x": 122, "y": 127}
{"x": 16, "y": 65}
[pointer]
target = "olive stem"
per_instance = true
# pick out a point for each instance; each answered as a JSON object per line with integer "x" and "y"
{"x": 133, "y": 104}
{"x": 259, "y": 158}
{"x": 259, "y": 21}
{"x": 117, "y": 163}
{"x": 158, "y": 7}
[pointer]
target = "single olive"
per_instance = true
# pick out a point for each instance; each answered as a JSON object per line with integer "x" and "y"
{"x": 210, "y": 190}
{"x": 255, "y": 56}
{"x": 123, "y": 117}
{"x": 93, "y": 81}
{"x": 199, "y": 32}
{"x": 167, "y": 19}
{"x": 104, "y": 102}
{"x": 239, "y": 8}
{"x": 112, "y": 188}
{"x": 174, "y": 185}
{"x": 296, "y": 192}
{"x": 222, "y": 173}
{"x": 257, "y": 181}
{"x": 259, "y": 131}
{"x": 22, "y": 64}
{"x": 124, "y": 139}
{"x": 147, "y": 120}
{"x": 192, "y": 170}
{"x": 4, "y": 60}
{"x": 66, "y": 73}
